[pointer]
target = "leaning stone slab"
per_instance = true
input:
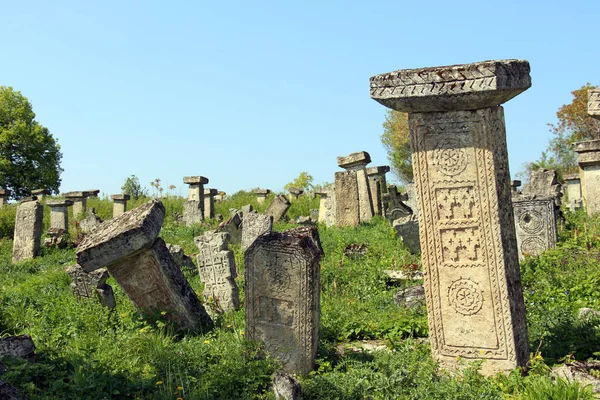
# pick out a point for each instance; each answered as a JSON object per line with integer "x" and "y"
{"x": 121, "y": 237}
{"x": 233, "y": 226}
{"x": 593, "y": 105}
{"x": 254, "y": 225}
{"x": 535, "y": 225}
{"x": 89, "y": 222}
{"x": 278, "y": 208}
{"x": 91, "y": 285}
{"x": 28, "y": 230}
{"x": 469, "y": 248}
{"x": 216, "y": 266}
{"x": 142, "y": 265}
{"x": 282, "y": 296}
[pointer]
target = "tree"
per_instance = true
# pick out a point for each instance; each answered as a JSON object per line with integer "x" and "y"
{"x": 396, "y": 140}
{"x": 29, "y": 155}
{"x": 303, "y": 181}
{"x": 574, "y": 125}
{"x": 133, "y": 188}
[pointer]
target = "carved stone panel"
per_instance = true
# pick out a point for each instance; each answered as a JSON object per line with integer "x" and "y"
{"x": 346, "y": 199}
{"x": 535, "y": 225}
{"x": 282, "y": 296}
{"x": 28, "y": 230}
{"x": 254, "y": 225}
{"x": 216, "y": 266}
{"x": 193, "y": 212}
{"x": 467, "y": 238}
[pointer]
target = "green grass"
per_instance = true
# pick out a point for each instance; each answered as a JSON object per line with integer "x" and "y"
{"x": 87, "y": 351}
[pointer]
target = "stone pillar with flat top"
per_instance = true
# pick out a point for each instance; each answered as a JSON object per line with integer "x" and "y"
{"x": 119, "y": 203}
{"x": 469, "y": 249}
{"x": 378, "y": 187}
{"x": 355, "y": 165}
{"x": 193, "y": 208}
{"x": 79, "y": 202}
{"x": 261, "y": 195}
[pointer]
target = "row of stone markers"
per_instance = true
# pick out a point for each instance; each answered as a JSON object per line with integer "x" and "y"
{"x": 200, "y": 204}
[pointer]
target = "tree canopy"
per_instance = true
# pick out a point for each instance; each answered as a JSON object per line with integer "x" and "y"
{"x": 303, "y": 181}
{"x": 29, "y": 155}
{"x": 574, "y": 125}
{"x": 396, "y": 141}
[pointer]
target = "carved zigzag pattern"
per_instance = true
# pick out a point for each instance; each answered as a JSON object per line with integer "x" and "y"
{"x": 450, "y": 80}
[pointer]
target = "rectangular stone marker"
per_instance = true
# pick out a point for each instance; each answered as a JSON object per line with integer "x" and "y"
{"x": 346, "y": 199}
{"x": 378, "y": 186}
{"x": 593, "y": 105}
{"x": 357, "y": 162}
{"x": 142, "y": 265}
{"x": 233, "y": 226}
{"x": 119, "y": 203}
{"x": 395, "y": 204}
{"x": 282, "y": 296}
{"x": 91, "y": 285}
{"x": 79, "y": 202}
{"x": 573, "y": 191}
{"x": 28, "y": 229}
{"x": 278, "y": 207}
{"x": 4, "y": 195}
{"x": 59, "y": 214}
{"x": 193, "y": 209}
{"x": 588, "y": 158}
{"x": 209, "y": 203}
{"x": 295, "y": 193}
{"x": 216, "y": 266}
{"x": 327, "y": 205}
{"x": 469, "y": 249}
{"x": 535, "y": 225}
{"x": 254, "y": 225}
{"x": 261, "y": 195}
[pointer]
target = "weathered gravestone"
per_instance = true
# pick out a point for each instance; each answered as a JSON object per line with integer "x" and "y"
{"x": 233, "y": 226}
{"x": 119, "y": 203}
{"x": 141, "y": 264}
{"x": 79, "y": 202}
{"x": 378, "y": 186}
{"x": 346, "y": 199}
{"x": 216, "y": 266}
{"x": 395, "y": 204}
{"x": 573, "y": 190}
{"x": 59, "y": 223}
{"x": 261, "y": 195}
{"x": 183, "y": 261}
{"x": 246, "y": 209}
{"x": 91, "y": 285}
{"x": 89, "y": 221}
{"x": 327, "y": 205}
{"x": 254, "y": 225}
{"x": 295, "y": 193}
{"x": 359, "y": 199}
{"x": 407, "y": 229}
{"x": 282, "y": 296}
{"x": 40, "y": 193}
{"x": 278, "y": 208}
{"x": 543, "y": 183}
{"x": 588, "y": 158}
{"x": 4, "y": 195}
{"x": 28, "y": 229}
{"x": 593, "y": 105}
{"x": 209, "y": 203}
{"x": 535, "y": 225}
{"x": 469, "y": 251}
{"x": 193, "y": 208}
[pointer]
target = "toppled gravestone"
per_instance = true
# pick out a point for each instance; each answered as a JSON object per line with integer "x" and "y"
{"x": 254, "y": 225}
{"x": 20, "y": 347}
{"x": 282, "y": 296}
{"x": 233, "y": 226}
{"x": 278, "y": 207}
{"x": 410, "y": 297}
{"x": 91, "y": 285}
{"x": 89, "y": 221}
{"x": 407, "y": 229}
{"x": 285, "y": 386}
{"x": 142, "y": 265}
{"x": 216, "y": 266}
{"x": 28, "y": 229}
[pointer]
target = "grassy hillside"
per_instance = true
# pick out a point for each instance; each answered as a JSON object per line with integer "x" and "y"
{"x": 87, "y": 351}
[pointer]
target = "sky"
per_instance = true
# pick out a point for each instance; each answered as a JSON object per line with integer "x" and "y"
{"x": 250, "y": 94}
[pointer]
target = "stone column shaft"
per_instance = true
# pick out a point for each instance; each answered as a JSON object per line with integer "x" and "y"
{"x": 469, "y": 251}
{"x": 119, "y": 204}
{"x": 59, "y": 214}
{"x": 209, "y": 203}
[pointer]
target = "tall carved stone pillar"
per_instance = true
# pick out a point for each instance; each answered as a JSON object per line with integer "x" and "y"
{"x": 469, "y": 250}
{"x": 588, "y": 158}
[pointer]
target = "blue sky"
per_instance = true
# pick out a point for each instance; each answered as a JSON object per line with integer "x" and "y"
{"x": 249, "y": 94}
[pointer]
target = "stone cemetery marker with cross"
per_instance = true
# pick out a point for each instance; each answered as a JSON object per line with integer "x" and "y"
{"x": 282, "y": 296}
{"x": 91, "y": 285}
{"x": 216, "y": 266}
{"x": 142, "y": 265}
{"x": 469, "y": 250}
{"x": 28, "y": 229}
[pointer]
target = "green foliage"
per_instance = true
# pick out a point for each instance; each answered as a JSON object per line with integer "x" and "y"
{"x": 134, "y": 188}
{"x": 302, "y": 181}
{"x": 29, "y": 155}
{"x": 396, "y": 141}
{"x": 7, "y": 220}
{"x": 574, "y": 125}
